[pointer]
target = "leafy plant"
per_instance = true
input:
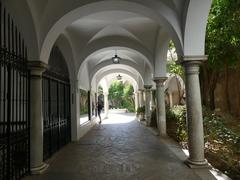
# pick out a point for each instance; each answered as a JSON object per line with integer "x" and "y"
{"x": 121, "y": 95}
{"x": 178, "y": 114}
{"x": 221, "y": 142}
{"x": 141, "y": 110}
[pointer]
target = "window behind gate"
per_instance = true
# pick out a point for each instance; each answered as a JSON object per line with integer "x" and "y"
{"x": 14, "y": 101}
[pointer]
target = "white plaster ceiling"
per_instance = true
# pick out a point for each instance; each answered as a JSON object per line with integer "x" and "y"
{"x": 94, "y": 28}
{"x": 110, "y": 24}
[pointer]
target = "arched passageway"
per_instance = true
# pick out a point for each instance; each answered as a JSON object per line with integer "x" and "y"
{"x": 89, "y": 35}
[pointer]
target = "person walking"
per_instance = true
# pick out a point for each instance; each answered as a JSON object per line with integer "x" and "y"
{"x": 99, "y": 108}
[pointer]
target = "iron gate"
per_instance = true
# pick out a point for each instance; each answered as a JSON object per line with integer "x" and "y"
{"x": 14, "y": 101}
{"x": 56, "y": 110}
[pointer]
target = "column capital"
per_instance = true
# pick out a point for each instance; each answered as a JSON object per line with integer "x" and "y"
{"x": 191, "y": 59}
{"x": 140, "y": 90}
{"x": 147, "y": 87}
{"x": 160, "y": 80}
{"x": 192, "y": 63}
{"x": 37, "y": 67}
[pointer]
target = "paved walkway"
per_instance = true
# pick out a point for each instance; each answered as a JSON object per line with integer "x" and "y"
{"x": 119, "y": 149}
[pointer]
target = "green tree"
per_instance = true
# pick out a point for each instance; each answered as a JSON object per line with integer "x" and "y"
{"x": 172, "y": 66}
{"x": 222, "y": 46}
{"x": 116, "y": 93}
{"x": 128, "y": 101}
{"x": 121, "y": 95}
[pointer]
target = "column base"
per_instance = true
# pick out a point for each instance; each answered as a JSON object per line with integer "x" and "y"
{"x": 163, "y": 134}
{"x": 40, "y": 169}
{"x": 197, "y": 164}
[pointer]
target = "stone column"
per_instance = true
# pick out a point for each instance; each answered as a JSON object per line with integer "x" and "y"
{"x": 161, "y": 112}
{"x": 106, "y": 105}
{"x": 147, "y": 104}
{"x": 75, "y": 123}
{"x": 194, "y": 111}
{"x": 141, "y": 101}
{"x": 136, "y": 100}
{"x": 153, "y": 104}
{"x": 36, "y": 118}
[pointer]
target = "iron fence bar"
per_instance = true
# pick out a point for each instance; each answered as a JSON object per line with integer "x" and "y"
{"x": 14, "y": 100}
{"x": 57, "y": 131}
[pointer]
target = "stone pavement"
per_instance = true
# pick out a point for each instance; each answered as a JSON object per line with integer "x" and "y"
{"x": 119, "y": 149}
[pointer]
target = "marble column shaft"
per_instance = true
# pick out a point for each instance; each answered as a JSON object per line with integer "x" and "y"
{"x": 36, "y": 118}
{"x": 161, "y": 111}
{"x": 194, "y": 111}
{"x": 141, "y": 101}
{"x": 136, "y": 100}
{"x": 147, "y": 104}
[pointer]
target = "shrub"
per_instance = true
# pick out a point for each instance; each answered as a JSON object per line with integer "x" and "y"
{"x": 141, "y": 110}
{"x": 222, "y": 143}
{"x": 178, "y": 115}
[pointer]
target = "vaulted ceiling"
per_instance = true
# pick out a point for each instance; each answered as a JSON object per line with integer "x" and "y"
{"x": 139, "y": 30}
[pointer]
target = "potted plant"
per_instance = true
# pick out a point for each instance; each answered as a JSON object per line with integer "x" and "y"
{"x": 140, "y": 113}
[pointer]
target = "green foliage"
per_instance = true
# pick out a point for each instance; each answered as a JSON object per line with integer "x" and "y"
{"x": 141, "y": 110}
{"x": 174, "y": 68}
{"x": 223, "y": 34}
{"x": 121, "y": 95}
{"x": 223, "y": 142}
{"x": 178, "y": 114}
{"x": 84, "y": 110}
{"x": 116, "y": 90}
{"x": 220, "y": 140}
{"x": 83, "y": 102}
{"x": 215, "y": 128}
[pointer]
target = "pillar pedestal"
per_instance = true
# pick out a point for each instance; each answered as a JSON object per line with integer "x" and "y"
{"x": 161, "y": 111}
{"x": 194, "y": 112}
{"x": 147, "y": 104}
{"x": 37, "y": 165}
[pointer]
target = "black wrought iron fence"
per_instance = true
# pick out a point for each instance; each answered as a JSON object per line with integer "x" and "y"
{"x": 56, "y": 113}
{"x": 14, "y": 101}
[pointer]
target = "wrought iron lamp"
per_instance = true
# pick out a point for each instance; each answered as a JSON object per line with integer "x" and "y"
{"x": 119, "y": 77}
{"x": 116, "y": 59}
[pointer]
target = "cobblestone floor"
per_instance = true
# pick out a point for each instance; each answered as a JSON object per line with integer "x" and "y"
{"x": 119, "y": 149}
